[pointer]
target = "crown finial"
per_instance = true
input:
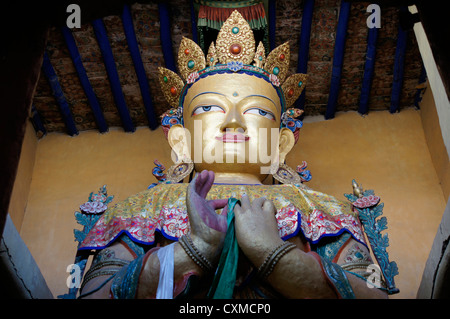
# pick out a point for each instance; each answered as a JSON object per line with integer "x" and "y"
{"x": 260, "y": 56}
{"x": 171, "y": 85}
{"x": 235, "y": 41}
{"x": 190, "y": 58}
{"x": 277, "y": 61}
{"x": 211, "y": 57}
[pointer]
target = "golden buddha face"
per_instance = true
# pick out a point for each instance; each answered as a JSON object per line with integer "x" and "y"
{"x": 231, "y": 124}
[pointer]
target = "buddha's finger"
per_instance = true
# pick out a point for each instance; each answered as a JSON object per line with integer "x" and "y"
{"x": 269, "y": 206}
{"x": 207, "y": 180}
{"x": 245, "y": 203}
{"x": 257, "y": 204}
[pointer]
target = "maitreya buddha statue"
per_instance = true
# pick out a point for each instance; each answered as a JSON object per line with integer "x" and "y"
{"x": 225, "y": 234}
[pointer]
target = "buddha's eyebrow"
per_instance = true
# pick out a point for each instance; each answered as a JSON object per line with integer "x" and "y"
{"x": 205, "y": 93}
{"x": 265, "y": 97}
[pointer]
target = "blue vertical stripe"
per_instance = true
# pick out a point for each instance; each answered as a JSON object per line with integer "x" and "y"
{"x": 368, "y": 71}
{"x": 303, "y": 48}
{"x": 272, "y": 24}
{"x": 59, "y": 95}
{"x": 193, "y": 22}
{"x": 399, "y": 61}
{"x": 84, "y": 80}
{"x": 128, "y": 27}
{"x": 338, "y": 58}
{"x": 110, "y": 65}
{"x": 166, "y": 38}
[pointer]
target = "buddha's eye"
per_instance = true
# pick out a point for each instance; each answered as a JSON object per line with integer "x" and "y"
{"x": 207, "y": 108}
{"x": 261, "y": 112}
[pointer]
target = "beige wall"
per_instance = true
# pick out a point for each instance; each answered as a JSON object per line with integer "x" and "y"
{"x": 21, "y": 189}
{"x": 384, "y": 152}
{"x": 433, "y": 135}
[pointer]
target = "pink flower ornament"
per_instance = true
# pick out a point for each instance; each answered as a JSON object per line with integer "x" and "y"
{"x": 366, "y": 201}
{"x": 274, "y": 79}
{"x": 93, "y": 207}
{"x": 192, "y": 77}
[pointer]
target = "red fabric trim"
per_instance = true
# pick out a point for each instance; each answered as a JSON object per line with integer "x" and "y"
{"x": 221, "y": 14}
{"x": 131, "y": 251}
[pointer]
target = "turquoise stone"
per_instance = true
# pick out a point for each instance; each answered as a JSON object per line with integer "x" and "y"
{"x": 235, "y": 30}
{"x": 191, "y": 64}
{"x": 300, "y": 84}
{"x": 276, "y": 70}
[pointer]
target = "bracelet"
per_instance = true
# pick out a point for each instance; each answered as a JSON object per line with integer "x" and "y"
{"x": 96, "y": 270}
{"x": 91, "y": 276}
{"x": 272, "y": 259}
{"x": 192, "y": 251}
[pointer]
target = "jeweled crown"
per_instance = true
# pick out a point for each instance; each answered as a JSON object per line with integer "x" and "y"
{"x": 234, "y": 51}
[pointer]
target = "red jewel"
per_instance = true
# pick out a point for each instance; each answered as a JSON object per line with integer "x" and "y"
{"x": 173, "y": 90}
{"x": 291, "y": 92}
{"x": 235, "y": 48}
{"x": 186, "y": 51}
{"x": 281, "y": 57}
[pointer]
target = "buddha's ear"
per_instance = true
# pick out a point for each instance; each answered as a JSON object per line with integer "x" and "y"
{"x": 179, "y": 140}
{"x": 285, "y": 144}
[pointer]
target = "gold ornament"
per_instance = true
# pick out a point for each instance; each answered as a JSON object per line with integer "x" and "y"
{"x": 211, "y": 57}
{"x": 190, "y": 58}
{"x": 235, "y": 41}
{"x": 260, "y": 56}
{"x": 293, "y": 87}
{"x": 277, "y": 61}
{"x": 285, "y": 174}
{"x": 171, "y": 85}
{"x": 180, "y": 170}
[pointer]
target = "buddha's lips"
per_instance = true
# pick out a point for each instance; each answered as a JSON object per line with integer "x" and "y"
{"x": 233, "y": 138}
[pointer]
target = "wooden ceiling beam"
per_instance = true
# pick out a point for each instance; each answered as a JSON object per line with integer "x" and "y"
{"x": 338, "y": 59}
{"x": 113, "y": 76}
{"x": 399, "y": 61}
{"x": 84, "y": 80}
{"x": 133, "y": 47}
{"x": 58, "y": 93}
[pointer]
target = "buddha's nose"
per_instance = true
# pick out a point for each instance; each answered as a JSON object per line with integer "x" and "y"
{"x": 234, "y": 121}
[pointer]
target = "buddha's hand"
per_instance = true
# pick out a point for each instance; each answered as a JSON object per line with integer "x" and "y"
{"x": 207, "y": 227}
{"x": 256, "y": 228}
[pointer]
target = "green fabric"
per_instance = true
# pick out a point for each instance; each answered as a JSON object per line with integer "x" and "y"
{"x": 257, "y": 24}
{"x": 225, "y": 277}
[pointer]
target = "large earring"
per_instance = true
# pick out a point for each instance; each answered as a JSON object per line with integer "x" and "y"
{"x": 180, "y": 170}
{"x": 284, "y": 174}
